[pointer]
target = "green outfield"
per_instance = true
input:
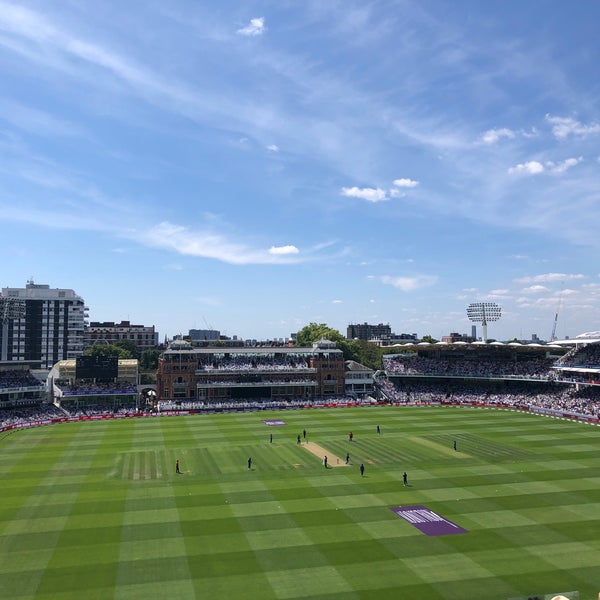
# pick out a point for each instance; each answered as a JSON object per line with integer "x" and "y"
{"x": 96, "y": 510}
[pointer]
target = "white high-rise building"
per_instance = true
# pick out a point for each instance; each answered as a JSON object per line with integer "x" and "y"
{"x": 51, "y": 329}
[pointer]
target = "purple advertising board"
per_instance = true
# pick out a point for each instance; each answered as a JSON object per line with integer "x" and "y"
{"x": 427, "y": 521}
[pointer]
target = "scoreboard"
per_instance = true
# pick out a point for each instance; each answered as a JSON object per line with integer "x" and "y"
{"x": 103, "y": 368}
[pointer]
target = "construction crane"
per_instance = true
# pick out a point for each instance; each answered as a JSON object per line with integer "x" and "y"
{"x": 553, "y": 336}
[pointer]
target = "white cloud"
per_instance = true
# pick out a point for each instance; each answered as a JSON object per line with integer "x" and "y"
{"x": 534, "y": 289}
{"x": 273, "y": 148}
{"x": 369, "y": 194}
{"x": 337, "y": 302}
{"x": 550, "y": 278}
{"x": 561, "y": 167}
{"x": 533, "y": 167}
{"x": 562, "y": 127}
{"x": 409, "y": 284}
{"x": 491, "y": 136}
{"x": 405, "y": 183}
{"x": 207, "y": 244}
{"x": 282, "y": 250}
{"x": 255, "y": 27}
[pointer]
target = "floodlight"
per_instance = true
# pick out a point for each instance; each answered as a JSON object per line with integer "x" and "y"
{"x": 10, "y": 309}
{"x": 482, "y": 312}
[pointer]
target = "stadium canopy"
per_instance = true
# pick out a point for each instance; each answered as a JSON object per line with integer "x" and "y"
{"x": 590, "y": 337}
{"x": 577, "y": 369}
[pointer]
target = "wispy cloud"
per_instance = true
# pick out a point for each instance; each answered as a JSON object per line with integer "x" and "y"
{"x": 561, "y": 167}
{"x": 409, "y": 284}
{"x": 36, "y": 121}
{"x": 255, "y": 27}
{"x": 208, "y": 244}
{"x": 563, "y": 127}
{"x": 273, "y": 148}
{"x": 535, "y": 289}
{"x": 492, "y": 136}
{"x": 535, "y": 167}
{"x": 550, "y": 278}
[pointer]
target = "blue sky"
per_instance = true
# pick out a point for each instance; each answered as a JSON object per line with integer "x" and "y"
{"x": 255, "y": 166}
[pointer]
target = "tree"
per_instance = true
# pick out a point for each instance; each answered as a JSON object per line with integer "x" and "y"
{"x": 149, "y": 359}
{"x": 428, "y": 338}
{"x": 368, "y": 354}
{"x": 108, "y": 350}
{"x": 129, "y": 346}
{"x": 147, "y": 379}
{"x": 315, "y": 332}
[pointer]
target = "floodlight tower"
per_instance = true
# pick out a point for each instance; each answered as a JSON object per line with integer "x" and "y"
{"x": 482, "y": 312}
{"x": 10, "y": 309}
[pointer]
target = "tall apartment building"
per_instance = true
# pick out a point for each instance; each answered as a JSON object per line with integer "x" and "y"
{"x": 51, "y": 328}
{"x": 364, "y": 331}
{"x": 144, "y": 337}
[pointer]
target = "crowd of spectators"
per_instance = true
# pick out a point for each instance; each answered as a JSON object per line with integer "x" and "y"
{"x": 15, "y": 378}
{"x": 98, "y": 409}
{"x": 247, "y": 379}
{"x": 412, "y": 364}
{"x": 246, "y": 363}
{"x": 91, "y": 388}
{"x": 581, "y": 357}
{"x": 168, "y": 405}
{"x": 585, "y": 401}
{"x": 27, "y": 414}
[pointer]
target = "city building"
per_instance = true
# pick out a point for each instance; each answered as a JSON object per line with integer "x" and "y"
{"x": 364, "y": 331}
{"x": 457, "y": 337}
{"x": 197, "y": 335}
{"x": 220, "y": 374}
{"x": 144, "y": 337}
{"x": 51, "y": 327}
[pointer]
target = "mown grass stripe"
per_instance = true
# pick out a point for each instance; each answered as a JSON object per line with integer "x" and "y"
{"x": 105, "y": 495}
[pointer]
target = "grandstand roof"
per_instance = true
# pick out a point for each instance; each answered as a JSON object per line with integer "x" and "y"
{"x": 70, "y": 362}
{"x": 479, "y": 346}
{"x": 352, "y": 365}
{"x": 250, "y": 350}
{"x": 578, "y": 369}
{"x": 591, "y": 337}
